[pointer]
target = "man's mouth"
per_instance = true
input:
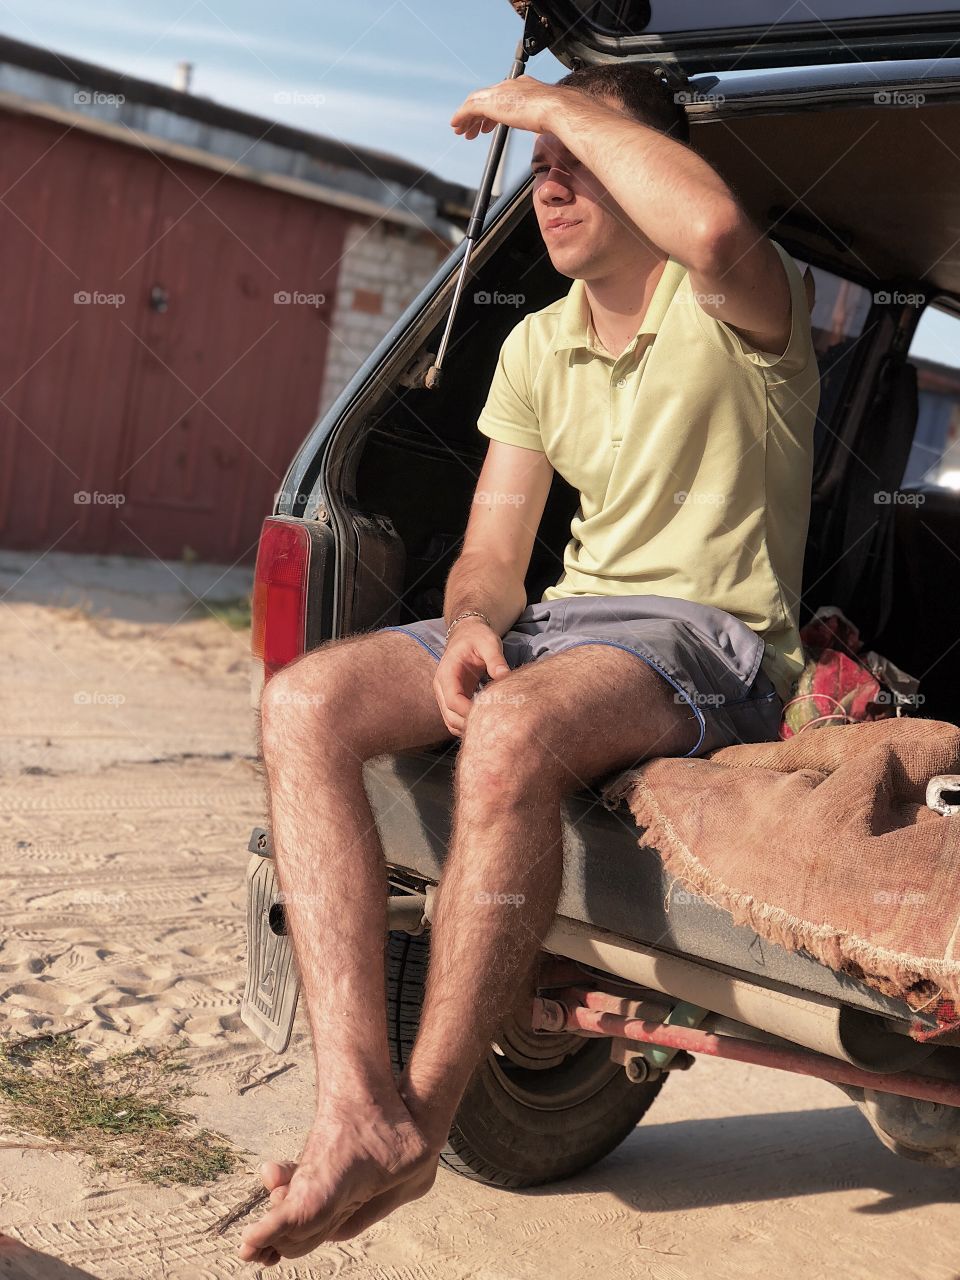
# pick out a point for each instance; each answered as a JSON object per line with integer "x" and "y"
{"x": 561, "y": 226}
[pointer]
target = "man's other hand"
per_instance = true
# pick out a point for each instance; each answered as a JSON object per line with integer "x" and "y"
{"x": 474, "y": 651}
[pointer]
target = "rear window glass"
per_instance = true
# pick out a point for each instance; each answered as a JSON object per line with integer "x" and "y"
{"x": 840, "y": 311}
{"x": 935, "y": 351}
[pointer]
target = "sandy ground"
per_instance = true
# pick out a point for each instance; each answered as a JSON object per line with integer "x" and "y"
{"x": 128, "y": 791}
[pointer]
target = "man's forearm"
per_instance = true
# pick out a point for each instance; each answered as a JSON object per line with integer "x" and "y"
{"x": 673, "y": 195}
{"x": 496, "y": 590}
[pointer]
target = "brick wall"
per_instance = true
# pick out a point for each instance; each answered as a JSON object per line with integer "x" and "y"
{"x": 384, "y": 266}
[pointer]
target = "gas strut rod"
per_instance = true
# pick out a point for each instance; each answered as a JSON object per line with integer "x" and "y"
{"x": 532, "y": 41}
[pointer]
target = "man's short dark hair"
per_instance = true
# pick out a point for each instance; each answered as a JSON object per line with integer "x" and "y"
{"x": 640, "y": 92}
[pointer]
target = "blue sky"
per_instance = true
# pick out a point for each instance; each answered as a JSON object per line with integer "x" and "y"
{"x": 386, "y": 74}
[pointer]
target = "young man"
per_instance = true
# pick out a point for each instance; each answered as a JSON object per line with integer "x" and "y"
{"x": 675, "y": 386}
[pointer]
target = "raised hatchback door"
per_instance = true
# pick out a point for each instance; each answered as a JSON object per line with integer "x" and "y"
{"x": 726, "y": 35}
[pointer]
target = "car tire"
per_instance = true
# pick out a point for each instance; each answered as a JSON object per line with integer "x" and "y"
{"x": 927, "y": 1132}
{"x": 518, "y": 1125}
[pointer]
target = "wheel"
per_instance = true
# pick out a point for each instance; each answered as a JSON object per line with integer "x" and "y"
{"x": 542, "y": 1108}
{"x": 925, "y": 1131}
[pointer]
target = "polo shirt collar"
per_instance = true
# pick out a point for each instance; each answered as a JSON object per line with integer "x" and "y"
{"x": 573, "y": 328}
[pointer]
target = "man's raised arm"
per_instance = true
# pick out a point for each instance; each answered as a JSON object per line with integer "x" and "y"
{"x": 664, "y": 188}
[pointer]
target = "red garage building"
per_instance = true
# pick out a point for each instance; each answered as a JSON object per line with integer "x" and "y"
{"x": 186, "y": 287}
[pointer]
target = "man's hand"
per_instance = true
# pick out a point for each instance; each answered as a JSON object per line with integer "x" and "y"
{"x": 473, "y": 651}
{"x": 523, "y": 103}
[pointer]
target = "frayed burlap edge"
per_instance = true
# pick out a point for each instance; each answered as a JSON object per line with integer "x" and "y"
{"x": 918, "y": 980}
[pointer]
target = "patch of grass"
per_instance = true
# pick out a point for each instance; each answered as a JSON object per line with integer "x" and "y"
{"x": 121, "y": 1111}
{"x": 236, "y": 613}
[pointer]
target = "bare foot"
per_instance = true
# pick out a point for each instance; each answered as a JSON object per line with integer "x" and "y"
{"x": 418, "y": 1184}
{"x": 351, "y": 1156}
{"x": 276, "y": 1177}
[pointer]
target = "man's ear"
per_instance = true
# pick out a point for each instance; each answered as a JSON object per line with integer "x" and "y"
{"x": 810, "y": 286}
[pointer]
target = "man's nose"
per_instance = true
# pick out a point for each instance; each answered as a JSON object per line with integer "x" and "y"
{"x": 555, "y": 186}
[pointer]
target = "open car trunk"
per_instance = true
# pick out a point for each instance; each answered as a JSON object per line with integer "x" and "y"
{"x": 393, "y": 467}
{"x": 421, "y": 452}
{"x": 721, "y": 35}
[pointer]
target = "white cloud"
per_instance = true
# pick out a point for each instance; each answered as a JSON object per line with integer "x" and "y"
{"x": 192, "y": 38}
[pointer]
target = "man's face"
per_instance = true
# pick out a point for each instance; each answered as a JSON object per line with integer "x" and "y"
{"x": 586, "y": 232}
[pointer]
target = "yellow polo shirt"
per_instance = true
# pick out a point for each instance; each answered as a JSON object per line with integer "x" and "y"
{"x": 691, "y": 450}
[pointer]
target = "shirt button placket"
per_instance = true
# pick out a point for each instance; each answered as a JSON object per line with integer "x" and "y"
{"x": 617, "y": 383}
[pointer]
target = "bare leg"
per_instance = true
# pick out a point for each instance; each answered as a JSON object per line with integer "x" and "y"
{"x": 322, "y": 716}
{"x": 538, "y": 734}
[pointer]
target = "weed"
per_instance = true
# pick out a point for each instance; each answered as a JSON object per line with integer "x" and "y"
{"x": 120, "y": 1111}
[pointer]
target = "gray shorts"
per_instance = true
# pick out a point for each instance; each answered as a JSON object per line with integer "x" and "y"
{"x": 710, "y": 658}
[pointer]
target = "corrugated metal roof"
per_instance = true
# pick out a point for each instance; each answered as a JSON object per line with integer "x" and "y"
{"x": 37, "y": 79}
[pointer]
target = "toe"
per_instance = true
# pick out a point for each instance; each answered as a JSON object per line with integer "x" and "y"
{"x": 265, "y": 1233}
{"x": 276, "y": 1173}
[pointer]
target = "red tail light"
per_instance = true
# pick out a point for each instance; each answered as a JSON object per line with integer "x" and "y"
{"x": 280, "y": 594}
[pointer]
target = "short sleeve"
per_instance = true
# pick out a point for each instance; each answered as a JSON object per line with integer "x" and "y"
{"x": 799, "y": 351}
{"x": 508, "y": 415}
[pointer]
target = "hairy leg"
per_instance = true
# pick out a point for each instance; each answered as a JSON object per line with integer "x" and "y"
{"x": 321, "y": 718}
{"x": 535, "y": 736}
